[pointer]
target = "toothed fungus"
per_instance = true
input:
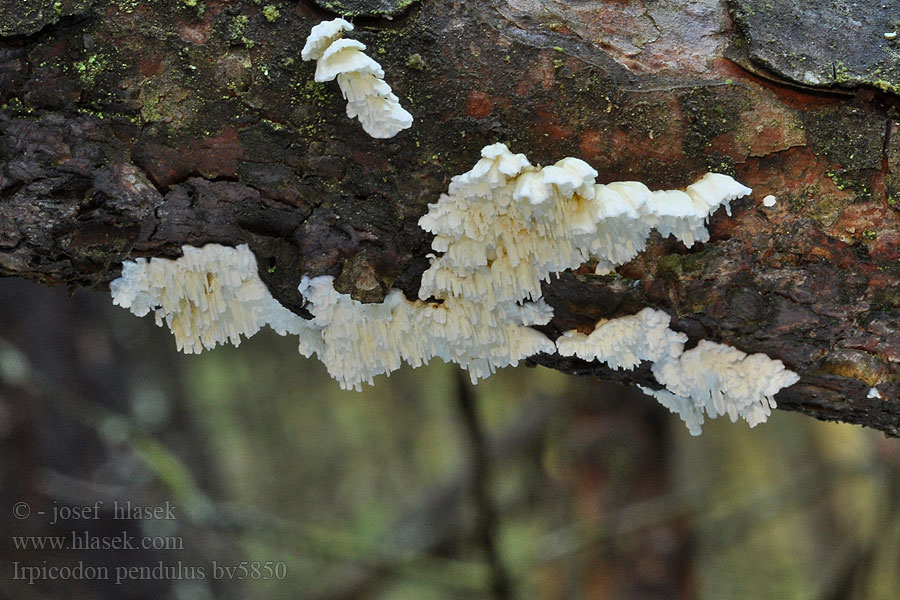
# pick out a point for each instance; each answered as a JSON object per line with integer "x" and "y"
{"x": 208, "y": 296}
{"x": 360, "y": 78}
{"x": 624, "y": 342}
{"x": 500, "y": 230}
{"x": 359, "y": 341}
{"x": 506, "y": 225}
{"x": 719, "y": 380}
{"x": 711, "y": 378}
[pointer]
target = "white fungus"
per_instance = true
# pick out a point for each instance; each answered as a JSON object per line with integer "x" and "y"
{"x": 501, "y": 229}
{"x": 208, "y": 296}
{"x": 720, "y": 379}
{"x": 690, "y": 413}
{"x": 769, "y": 201}
{"x": 361, "y": 79}
{"x": 624, "y": 342}
{"x": 711, "y": 378}
{"x": 359, "y": 341}
{"x": 506, "y": 225}
{"x": 873, "y": 393}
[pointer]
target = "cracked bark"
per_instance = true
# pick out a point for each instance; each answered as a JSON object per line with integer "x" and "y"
{"x": 129, "y": 129}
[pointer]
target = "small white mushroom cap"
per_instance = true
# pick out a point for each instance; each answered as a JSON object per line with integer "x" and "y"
{"x": 571, "y": 176}
{"x": 769, "y": 201}
{"x": 531, "y": 186}
{"x": 321, "y": 37}
{"x": 714, "y": 190}
{"x": 346, "y": 56}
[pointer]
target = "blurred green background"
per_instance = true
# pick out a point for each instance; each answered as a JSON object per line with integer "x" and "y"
{"x": 532, "y": 484}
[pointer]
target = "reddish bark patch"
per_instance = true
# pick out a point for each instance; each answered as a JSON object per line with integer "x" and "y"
{"x": 210, "y": 157}
{"x": 193, "y": 33}
{"x": 479, "y": 104}
{"x": 800, "y": 176}
{"x": 548, "y": 124}
{"x": 868, "y": 215}
{"x": 593, "y": 145}
{"x": 886, "y": 246}
{"x": 543, "y": 74}
{"x": 618, "y": 145}
{"x": 371, "y": 163}
{"x": 150, "y": 65}
{"x": 766, "y": 128}
{"x": 868, "y": 222}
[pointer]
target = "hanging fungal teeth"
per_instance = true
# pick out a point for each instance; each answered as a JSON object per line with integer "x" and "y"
{"x": 502, "y": 228}
{"x": 507, "y": 225}
{"x": 361, "y": 79}
{"x": 209, "y": 296}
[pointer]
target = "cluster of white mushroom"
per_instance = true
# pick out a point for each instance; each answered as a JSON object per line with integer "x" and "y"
{"x": 500, "y": 230}
{"x": 625, "y": 342}
{"x": 360, "y": 77}
{"x": 718, "y": 379}
{"x": 506, "y": 225}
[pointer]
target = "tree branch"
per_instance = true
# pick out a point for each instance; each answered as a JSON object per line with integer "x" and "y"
{"x": 130, "y": 131}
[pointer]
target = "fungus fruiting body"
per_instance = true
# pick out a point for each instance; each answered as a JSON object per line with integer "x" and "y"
{"x": 359, "y": 341}
{"x": 500, "y": 230}
{"x": 360, "y": 77}
{"x": 506, "y": 225}
{"x": 718, "y": 379}
{"x": 624, "y": 342}
{"x": 711, "y": 378}
{"x": 206, "y": 297}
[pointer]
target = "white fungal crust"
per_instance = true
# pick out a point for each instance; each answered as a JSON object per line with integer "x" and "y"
{"x": 360, "y": 341}
{"x": 208, "y": 296}
{"x": 719, "y": 380}
{"x": 361, "y": 79}
{"x": 624, "y": 342}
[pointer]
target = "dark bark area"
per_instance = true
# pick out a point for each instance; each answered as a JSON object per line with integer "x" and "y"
{"x": 129, "y": 129}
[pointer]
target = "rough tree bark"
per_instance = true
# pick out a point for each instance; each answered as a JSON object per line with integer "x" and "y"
{"x": 130, "y": 128}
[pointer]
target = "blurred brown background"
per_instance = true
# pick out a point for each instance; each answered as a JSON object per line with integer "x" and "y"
{"x": 531, "y": 484}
